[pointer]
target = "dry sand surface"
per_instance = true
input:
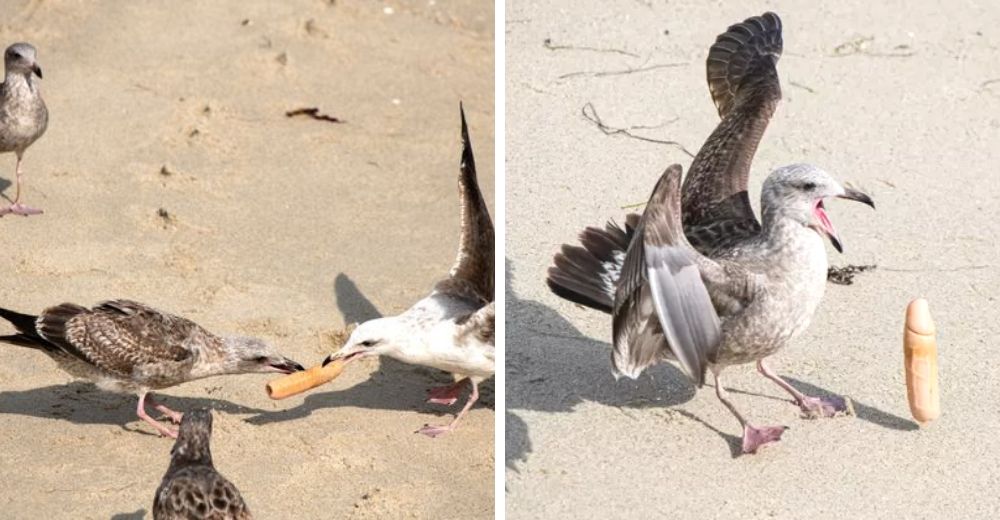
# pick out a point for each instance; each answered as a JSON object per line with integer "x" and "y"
{"x": 276, "y": 227}
{"x": 901, "y": 99}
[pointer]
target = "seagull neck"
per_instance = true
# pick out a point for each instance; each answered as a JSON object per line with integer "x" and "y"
{"x": 191, "y": 453}
{"x": 19, "y": 84}
{"x": 778, "y": 221}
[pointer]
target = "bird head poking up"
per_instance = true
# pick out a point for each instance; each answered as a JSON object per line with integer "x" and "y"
{"x": 799, "y": 191}
{"x": 372, "y": 338}
{"x": 193, "y": 438}
{"x": 247, "y": 355}
{"x": 20, "y": 58}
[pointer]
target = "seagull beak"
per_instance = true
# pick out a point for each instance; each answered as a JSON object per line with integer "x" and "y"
{"x": 346, "y": 353}
{"x": 852, "y": 194}
{"x": 37, "y": 70}
{"x": 826, "y": 226}
{"x": 285, "y": 365}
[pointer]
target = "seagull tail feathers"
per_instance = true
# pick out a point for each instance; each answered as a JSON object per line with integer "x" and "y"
{"x": 588, "y": 274}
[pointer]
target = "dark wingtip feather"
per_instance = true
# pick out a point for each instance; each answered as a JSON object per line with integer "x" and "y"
{"x": 742, "y": 55}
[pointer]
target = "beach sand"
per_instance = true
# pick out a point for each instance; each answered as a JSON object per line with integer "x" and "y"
{"x": 901, "y": 101}
{"x": 170, "y": 175}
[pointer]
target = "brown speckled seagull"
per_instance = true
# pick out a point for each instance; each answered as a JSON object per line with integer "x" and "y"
{"x": 125, "y": 346}
{"x": 23, "y": 116}
{"x": 697, "y": 278}
{"x": 452, "y": 329}
{"x": 192, "y": 488}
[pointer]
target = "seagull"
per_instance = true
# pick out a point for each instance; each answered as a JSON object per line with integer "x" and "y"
{"x": 192, "y": 488}
{"x": 23, "y": 116}
{"x": 697, "y": 278}
{"x": 128, "y": 347}
{"x": 452, "y": 329}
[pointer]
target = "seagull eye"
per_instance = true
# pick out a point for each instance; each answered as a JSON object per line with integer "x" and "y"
{"x": 260, "y": 359}
{"x": 809, "y": 186}
{"x": 368, "y": 343}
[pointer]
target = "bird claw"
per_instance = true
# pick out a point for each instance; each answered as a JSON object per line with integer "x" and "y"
{"x": 434, "y": 431}
{"x": 754, "y": 438}
{"x": 818, "y": 407}
{"x": 20, "y": 209}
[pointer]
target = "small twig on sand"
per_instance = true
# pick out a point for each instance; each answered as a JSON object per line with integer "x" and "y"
{"x": 547, "y": 43}
{"x": 601, "y": 74}
{"x": 590, "y": 113}
{"x": 803, "y": 87}
{"x": 631, "y": 206}
{"x": 860, "y": 46}
{"x": 312, "y": 112}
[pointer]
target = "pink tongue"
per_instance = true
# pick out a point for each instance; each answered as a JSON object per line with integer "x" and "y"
{"x": 825, "y": 220}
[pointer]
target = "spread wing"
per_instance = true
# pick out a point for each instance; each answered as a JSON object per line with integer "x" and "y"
{"x": 743, "y": 80}
{"x": 118, "y": 336}
{"x": 473, "y": 267}
{"x": 199, "y": 492}
{"x": 670, "y": 297}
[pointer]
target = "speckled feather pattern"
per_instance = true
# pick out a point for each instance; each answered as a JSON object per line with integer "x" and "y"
{"x": 23, "y": 115}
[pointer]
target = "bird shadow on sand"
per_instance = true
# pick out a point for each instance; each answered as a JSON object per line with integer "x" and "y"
{"x": 83, "y": 403}
{"x": 135, "y": 515}
{"x": 553, "y": 367}
{"x": 394, "y": 386}
{"x": 4, "y": 184}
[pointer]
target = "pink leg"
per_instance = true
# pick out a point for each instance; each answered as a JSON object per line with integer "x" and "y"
{"x": 753, "y": 437}
{"x": 17, "y": 208}
{"x": 434, "y": 431}
{"x": 174, "y": 416}
{"x": 141, "y": 412}
{"x": 446, "y": 395}
{"x": 813, "y": 407}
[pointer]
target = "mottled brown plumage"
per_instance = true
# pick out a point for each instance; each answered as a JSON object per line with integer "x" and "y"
{"x": 126, "y": 346}
{"x": 191, "y": 488}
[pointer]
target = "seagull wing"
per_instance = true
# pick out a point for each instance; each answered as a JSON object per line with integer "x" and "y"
{"x": 473, "y": 270}
{"x": 669, "y": 296}
{"x": 119, "y": 336}
{"x": 199, "y": 492}
{"x": 743, "y": 80}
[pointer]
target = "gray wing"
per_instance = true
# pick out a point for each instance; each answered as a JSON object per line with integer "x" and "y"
{"x": 669, "y": 296}
{"x": 481, "y": 324}
{"x": 743, "y": 80}
{"x": 199, "y": 492}
{"x": 473, "y": 270}
{"x": 118, "y": 336}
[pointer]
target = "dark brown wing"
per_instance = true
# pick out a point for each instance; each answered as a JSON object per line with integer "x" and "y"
{"x": 670, "y": 297}
{"x": 198, "y": 492}
{"x": 474, "y": 263}
{"x": 744, "y": 84}
{"x": 118, "y": 336}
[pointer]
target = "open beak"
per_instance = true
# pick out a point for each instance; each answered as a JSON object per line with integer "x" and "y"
{"x": 347, "y": 354}
{"x": 285, "y": 366}
{"x": 824, "y": 221}
{"x": 37, "y": 70}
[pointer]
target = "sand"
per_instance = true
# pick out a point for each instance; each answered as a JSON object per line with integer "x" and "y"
{"x": 908, "y": 112}
{"x": 282, "y": 228}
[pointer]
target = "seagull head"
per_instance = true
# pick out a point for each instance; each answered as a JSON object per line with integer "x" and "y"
{"x": 194, "y": 437}
{"x": 247, "y": 355}
{"x": 21, "y": 58}
{"x": 799, "y": 192}
{"x": 371, "y": 338}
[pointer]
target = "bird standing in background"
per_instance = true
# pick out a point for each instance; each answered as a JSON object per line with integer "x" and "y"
{"x": 192, "y": 488}
{"x": 452, "y": 329}
{"x": 23, "y": 116}
{"x": 125, "y": 346}
{"x": 697, "y": 278}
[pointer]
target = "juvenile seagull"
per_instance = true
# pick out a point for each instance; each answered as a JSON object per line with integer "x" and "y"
{"x": 128, "y": 347}
{"x": 697, "y": 278}
{"x": 452, "y": 328}
{"x": 192, "y": 488}
{"x": 23, "y": 116}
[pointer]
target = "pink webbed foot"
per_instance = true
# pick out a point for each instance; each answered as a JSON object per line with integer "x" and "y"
{"x": 20, "y": 209}
{"x": 754, "y": 438}
{"x": 446, "y": 395}
{"x": 816, "y": 407}
{"x": 434, "y": 431}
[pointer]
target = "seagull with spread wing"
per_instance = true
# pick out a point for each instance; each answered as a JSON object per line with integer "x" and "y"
{"x": 697, "y": 278}
{"x": 452, "y": 329}
{"x": 126, "y": 346}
